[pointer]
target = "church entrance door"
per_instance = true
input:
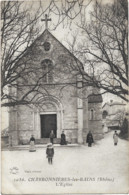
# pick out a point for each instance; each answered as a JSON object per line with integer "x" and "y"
{"x": 48, "y": 123}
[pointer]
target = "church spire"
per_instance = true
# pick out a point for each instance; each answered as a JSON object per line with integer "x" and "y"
{"x": 46, "y": 21}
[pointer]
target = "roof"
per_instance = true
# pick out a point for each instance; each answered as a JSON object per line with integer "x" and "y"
{"x": 95, "y": 98}
{"x": 49, "y": 33}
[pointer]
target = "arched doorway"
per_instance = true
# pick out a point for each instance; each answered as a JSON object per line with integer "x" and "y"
{"x": 48, "y": 116}
{"x": 48, "y": 119}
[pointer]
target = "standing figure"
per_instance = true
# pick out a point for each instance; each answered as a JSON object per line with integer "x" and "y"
{"x": 50, "y": 152}
{"x": 89, "y": 139}
{"x": 32, "y": 144}
{"x": 115, "y": 137}
{"x": 63, "y": 139}
{"x": 51, "y": 136}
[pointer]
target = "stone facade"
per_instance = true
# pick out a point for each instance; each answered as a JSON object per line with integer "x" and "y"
{"x": 95, "y": 121}
{"x": 59, "y": 97}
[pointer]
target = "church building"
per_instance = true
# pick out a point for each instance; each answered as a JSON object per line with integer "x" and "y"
{"x": 58, "y": 101}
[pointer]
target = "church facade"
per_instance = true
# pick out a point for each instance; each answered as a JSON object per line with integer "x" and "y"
{"x": 59, "y": 102}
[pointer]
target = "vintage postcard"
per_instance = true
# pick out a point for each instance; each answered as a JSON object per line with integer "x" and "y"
{"x": 64, "y": 97}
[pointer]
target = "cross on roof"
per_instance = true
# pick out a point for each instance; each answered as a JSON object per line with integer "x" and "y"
{"x": 46, "y": 20}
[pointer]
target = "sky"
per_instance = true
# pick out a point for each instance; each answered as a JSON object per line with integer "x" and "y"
{"x": 62, "y": 30}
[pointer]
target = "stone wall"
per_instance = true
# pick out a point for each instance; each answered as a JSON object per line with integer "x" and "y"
{"x": 64, "y": 91}
{"x": 13, "y": 133}
{"x": 60, "y": 98}
{"x": 95, "y": 124}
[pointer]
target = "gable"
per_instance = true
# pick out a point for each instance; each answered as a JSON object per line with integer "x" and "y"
{"x": 47, "y": 47}
{"x": 46, "y": 36}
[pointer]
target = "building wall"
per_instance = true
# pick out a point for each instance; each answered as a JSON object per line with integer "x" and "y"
{"x": 62, "y": 98}
{"x": 115, "y": 115}
{"x": 85, "y": 119}
{"x": 95, "y": 124}
{"x": 69, "y": 102}
{"x": 113, "y": 108}
{"x": 28, "y": 117}
{"x": 25, "y": 122}
{"x": 13, "y": 133}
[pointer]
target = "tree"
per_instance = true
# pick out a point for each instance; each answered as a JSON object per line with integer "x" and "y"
{"x": 119, "y": 116}
{"x": 18, "y": 32}
{"x": 124, "y": 129}
{"x": 19, "y": 29}
{"x": 103, "y": 48}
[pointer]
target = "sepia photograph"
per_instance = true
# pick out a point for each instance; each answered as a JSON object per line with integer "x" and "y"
{"x": 64, "y": 97}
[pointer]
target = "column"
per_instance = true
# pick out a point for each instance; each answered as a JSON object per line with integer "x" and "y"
{"x": 80, "y": 120}
{"x": 80, "y": 109}
{"x": 13, "y": 130}
{"x": 13, "y": 126}
{"x": 87, "y": 121}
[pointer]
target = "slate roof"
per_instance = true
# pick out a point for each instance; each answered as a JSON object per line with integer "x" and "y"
{"x": 95, "y": 98}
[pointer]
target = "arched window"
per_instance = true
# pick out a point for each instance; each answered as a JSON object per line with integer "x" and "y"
{"x": 92, "y": 112}
{"x": 47, "y": 68}
{"x": 47, "y": 46}
{"x": 105, "y": 113}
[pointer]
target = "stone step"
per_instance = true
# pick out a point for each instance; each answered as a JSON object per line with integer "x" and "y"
{"x": 39, "y": 146}
{"x": 47, "y": 140}
{"x": 40, "y": 141}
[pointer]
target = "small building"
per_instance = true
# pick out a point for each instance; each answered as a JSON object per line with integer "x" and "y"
{"x": 113, "y": 115}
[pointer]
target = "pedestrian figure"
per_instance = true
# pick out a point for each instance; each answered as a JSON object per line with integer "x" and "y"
{"x": 50, "y": 152}
{"x": 89, "y": 139}
{"x": 32, "y": 144}
{"x": 115, "y": 137}
{"x": 52, "y": 136}
{"x": 63, "y": 139}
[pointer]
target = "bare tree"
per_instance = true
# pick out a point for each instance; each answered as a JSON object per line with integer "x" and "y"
{"x": 18, "y": 32}
{"x": 67, "y": 11}
{"x": 19, "y": 29}
{"x": 120, "y": 115}
{"x": 103, "y": 47}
